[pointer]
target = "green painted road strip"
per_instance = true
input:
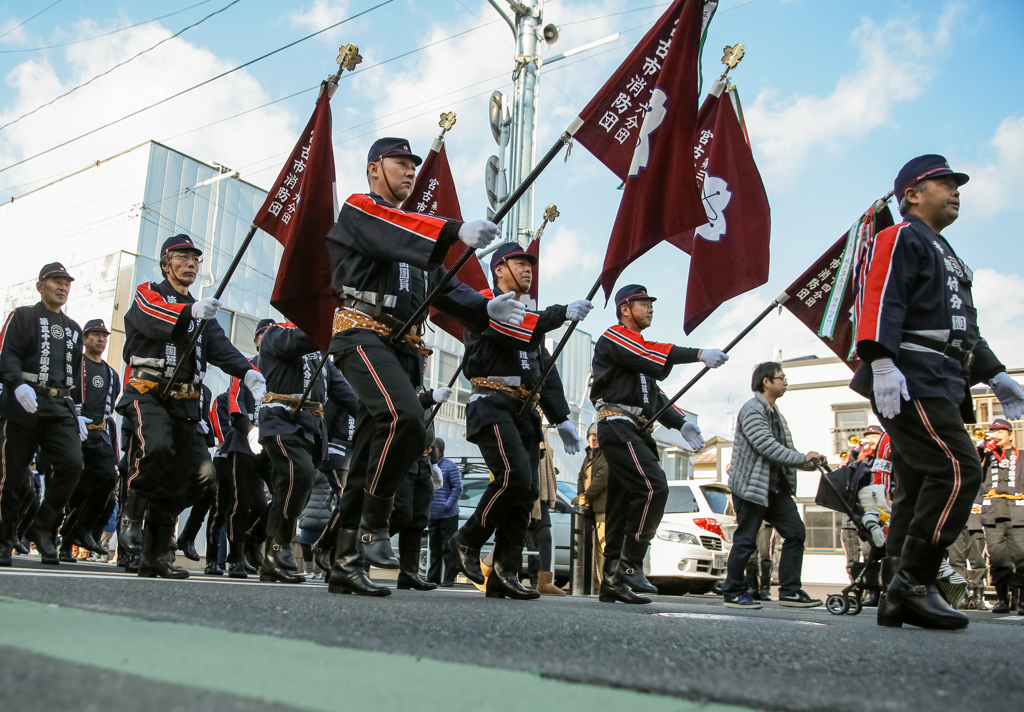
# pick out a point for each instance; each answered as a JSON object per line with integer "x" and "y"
{"x": 298, "y": 673}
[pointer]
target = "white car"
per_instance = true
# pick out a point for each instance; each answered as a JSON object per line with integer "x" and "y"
{"x": 691, "y": 547}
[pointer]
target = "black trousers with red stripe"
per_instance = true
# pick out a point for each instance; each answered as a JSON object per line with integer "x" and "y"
{"x": 511, "y": 450}
{"x": 637, "y": 487}
{"x": 390, "y": 429}
{"x": 937, "y": 473}
{"x": 241, "y": 481}
{"x": 291, "y": 456}
{"x": 160, "y": 459}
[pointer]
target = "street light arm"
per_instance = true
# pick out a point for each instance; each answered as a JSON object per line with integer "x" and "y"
{"x": 505, "y": 17}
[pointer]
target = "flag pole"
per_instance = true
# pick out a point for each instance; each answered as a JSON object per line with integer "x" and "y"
{"x": 564, "y": 139}
{"x": 451, "y": 384}
{"x": 309, "y": 386}
{"x": 779, "y": 301}
{"x": 554, "y": 356}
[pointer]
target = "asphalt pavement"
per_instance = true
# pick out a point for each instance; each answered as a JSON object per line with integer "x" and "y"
{"x": 87, "y": 637}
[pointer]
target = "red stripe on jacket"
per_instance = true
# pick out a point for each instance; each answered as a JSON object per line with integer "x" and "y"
{"x": 422, "y": 225}
{"x": 873, "y": 283}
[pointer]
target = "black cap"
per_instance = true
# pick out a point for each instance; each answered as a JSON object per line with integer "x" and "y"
{"x": 876, "y": 429}
{"x": 179, "y": 243}
{"x": 263, "y": 325}
{"x": 509, "y": 249}
{"x": 54, "y": 269}
{"x": 95, "y": 325}
{"x": 391, "y": 147}
{"x": 631, "y": 292}
{"x": 922, "y": 168}
{"x": 1000, "y": 424}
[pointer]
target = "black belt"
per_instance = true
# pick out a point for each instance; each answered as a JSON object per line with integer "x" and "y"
{"x": 383, "y": 317}
{"x": 964, "y": 357}
{"x": 51, "y": 391}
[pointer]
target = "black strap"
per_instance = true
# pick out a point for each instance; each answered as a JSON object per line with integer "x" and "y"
{"x": 964, "y": 357}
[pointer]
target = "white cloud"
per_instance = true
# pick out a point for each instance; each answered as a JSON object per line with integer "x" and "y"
{"x": 895, "y": 66}
{"x": 998, "y": 185}
{"x": 1001, "y": 313}
{"x": 321, "y": 14}
{"x": 566, "y": 253}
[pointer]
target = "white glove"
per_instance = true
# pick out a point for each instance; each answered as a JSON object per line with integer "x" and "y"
{"x": 436, "y": 476}
{"x": 83, "y": 432}
{"x": 26, "y": 396}
{"x": 873, "y": 497}
{"x": 691, "y": 434}
{"x": 570, "y": 438}
{"x": 478, "y": 234}
{"x": 256, "y": 384}
{"x": 504, "y": 308}
{"x": 202, "y": 428}
{"x": 713, "y": 358}
{"x": 206, "y": 308}
{"x": 253, "y": 436}
{"x": 578, "y": 310}
{"x": 441, "y": 395}
{"x": 890, "y": 386}
{"x": 1009, "y": 393}
{"x": 875, "y": 531}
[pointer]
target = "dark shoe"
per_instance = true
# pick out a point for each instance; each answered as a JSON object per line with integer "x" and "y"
{"x": 132, "y": 515}
{"x": 7, "y": 534}
{"x": 872, "y": 600}
{"x": 322, "y": 553}
{"x": 765, "y": 594}
{"x": 253, "y": 554}
{"x": 744, "y": 600}
{"x": 612, "y": 589}
{"x": 39, "y": 532}
{"x": 504, "y": 579}
{"x": 213, "y": 569}
{"x": 913, "y": 596}
{"x": 236, "y": 561}
{"x": 631, "y": 566}
{"x": 887, "y": 614}
{"x": 467, "y": 559}
{"x": 21, "y": 546}
{"x": 1002, "y": 599}
{"x": 131, "y": 563}
{"x": 83, "y": 539}
{"x": 279, "y": 565}
{"x": 374, "y": 540}
{"x": 66, "y": 555}
{"x": 799, "y": 600}
{"x": 347, "y": 574}
{"x": 409, "y": 558}
{"x": 188, "y": 548}
{"x": 157, "y": 560}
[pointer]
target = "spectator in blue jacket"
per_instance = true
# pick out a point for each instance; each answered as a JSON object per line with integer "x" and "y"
{"x": 444, "y": 519}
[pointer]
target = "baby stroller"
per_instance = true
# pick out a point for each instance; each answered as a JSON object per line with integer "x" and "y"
{"x": 837, "y": 490}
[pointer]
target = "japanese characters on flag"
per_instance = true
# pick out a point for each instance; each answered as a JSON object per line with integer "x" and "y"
{"x": 729, "y": 253}
{"x": 299, "y": 212}
{"x": 823, "y": 296}
{"x": 434, "y": 194}
{"x": 641, "y": 125}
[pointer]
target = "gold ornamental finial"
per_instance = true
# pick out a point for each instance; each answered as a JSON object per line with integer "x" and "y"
{"x": 447, "y": 121}
{"x": 550, "y": 214}
{"x": 733, "y": 55}
{"x": 348, "y": 58}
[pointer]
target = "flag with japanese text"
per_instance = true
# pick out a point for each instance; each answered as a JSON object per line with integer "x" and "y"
{"x": 641, "y": 125}
{"x": 434, "y": 194}
{"x": 728, "y": 253}
{"x": 299, "y": 212}
{"x": 823, "y": 296}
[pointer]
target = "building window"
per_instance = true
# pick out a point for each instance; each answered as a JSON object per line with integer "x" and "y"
{"x": 224, "y": 319}
{"x": 245, "y": 333}
{"x": 848, "y": 422}
{"x": 823, "y": 528}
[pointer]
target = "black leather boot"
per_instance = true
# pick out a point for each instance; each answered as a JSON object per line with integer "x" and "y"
{"x": 913, "y": 597}
{"x": 212, "y": 550}
{"x": 409, "y": 558}
{"x": 156, "y": 558}
{"x": 132, "y": 515}
{"x": 187, "y": 540}
{"x": 279, "y": 563}
{"x": 631, "y": 564}
{"x": 887, "y": 614}
{"x": 7, "y": 534}
{"x": 347, "y": 574}
{"x": 467, "y": 558}
{"x": 80, "y": 533}
{"x": 253, "y": 551}
{"x": 20, "y": 545}
{"x": 374, "y": 541}
{"x": 323, "y": 553}
{"x": 612, "y": 589}
{"x": 236, "y": 561}
{"x": 1002, "y": 599}
{"x": 504, "y": 579}
{"x": 65, "y": 552}
{"x": 39, "y": 531}
{"x": 871, "y": 580}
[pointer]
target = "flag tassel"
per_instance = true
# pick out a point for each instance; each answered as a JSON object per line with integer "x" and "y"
{"x": 504, "y": 210}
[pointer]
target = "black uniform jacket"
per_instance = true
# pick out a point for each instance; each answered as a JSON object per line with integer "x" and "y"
{"x": 1004, "y": 475}
{"x": 626, "y": 370}
{"x": 209, "y": 439}
{"x": 341, "y": 430}
{"x": 157, "y": 328}
{"x": 514, "y": 356}
{"x": 220, "y": 422}
{"x": 911, "y": 282}
{"x": 241, "y": 413}
{"x": 95, "y": 394}
{"x": 381, "y": 253}
{"x": 38, "y": 347}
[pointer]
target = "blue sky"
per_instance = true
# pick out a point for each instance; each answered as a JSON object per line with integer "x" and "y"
{"x": 837, "y": 95}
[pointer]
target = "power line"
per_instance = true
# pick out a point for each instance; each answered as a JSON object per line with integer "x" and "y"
{"x": 105, "y": 34}
{"x": 29, "y": 19}
{"x": 197, "y": 86}
{"x": 120, "y": 64}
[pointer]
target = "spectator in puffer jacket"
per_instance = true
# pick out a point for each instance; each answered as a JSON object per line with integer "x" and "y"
{"x": 763, "y": 482}
{"x": 313, "y": 520}
{"x": 444, "y": 519}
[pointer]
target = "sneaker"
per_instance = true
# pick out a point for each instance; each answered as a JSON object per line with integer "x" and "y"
{"x": 743, "y": 600}
{"x": 799, "y": 600}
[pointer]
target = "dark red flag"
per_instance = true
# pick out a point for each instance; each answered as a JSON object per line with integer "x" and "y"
{"x": 641, "y": 125}
{"x": 728, "y": 253}
{"x": 823, "y": 296}
{"x": 299, "y": 212}
{"x": 434, "y": 194}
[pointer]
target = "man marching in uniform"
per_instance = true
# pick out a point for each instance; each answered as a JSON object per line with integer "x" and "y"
{"x": 503, "y": 363}
{"x": 1002, "y": 514}
{"x": 626, "y": 371}
{"x": 158, "y": 325}
{"x": 383, "y": 263}
{"x": 918, "y": 337}
{"x": 40, "y": 357}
